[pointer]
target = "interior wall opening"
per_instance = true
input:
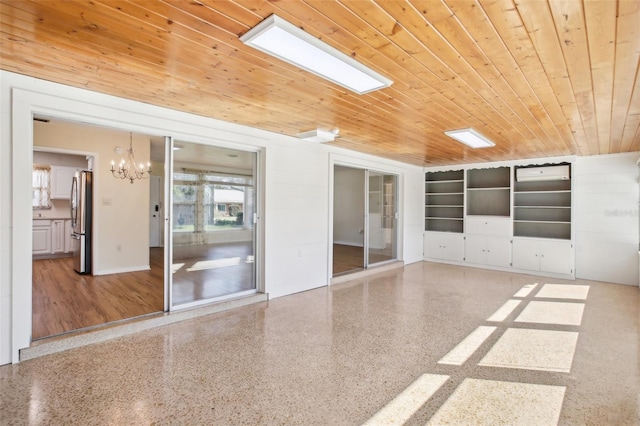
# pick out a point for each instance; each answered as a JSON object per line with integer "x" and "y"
{"x": 125, "y": 278}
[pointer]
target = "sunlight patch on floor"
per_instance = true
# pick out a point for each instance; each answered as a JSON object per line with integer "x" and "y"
{"x": 526, "y": 290}
{"x": 528, "y": 349}
{"x": 564, "y": 291}
{"x": 214, "y": 264}
{"x": 504, "y": 311}
{"x": 489, "y": 402}
{"x": 461, "y": 353}
{"x": 476, "y": 401}
{"x": 552, "y": 313}
{"x": 402, "y": 407}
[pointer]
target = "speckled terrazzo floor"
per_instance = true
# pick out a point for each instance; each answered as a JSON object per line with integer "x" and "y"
{"x": 428, "y": 344}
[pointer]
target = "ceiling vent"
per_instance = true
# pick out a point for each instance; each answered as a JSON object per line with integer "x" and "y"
{"x": 533, "y": 174}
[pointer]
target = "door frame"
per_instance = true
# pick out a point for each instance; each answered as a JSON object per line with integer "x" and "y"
{"x": 119, "y": 114}
{"x": 168, "y": 228}
{"x": 385, "y": 168}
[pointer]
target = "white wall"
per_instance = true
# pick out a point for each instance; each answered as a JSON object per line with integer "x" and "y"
{"x": 294, "y": 209}
{"x": 348, "y": 206}
{"x": 412, "y": 200}
{"x": 606, "y": 218}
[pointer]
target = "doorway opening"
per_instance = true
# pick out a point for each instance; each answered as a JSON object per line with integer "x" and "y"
{"x": 364, "y": 219}
{"x": 185, "y": 236}
{"x": 126, "y": 278}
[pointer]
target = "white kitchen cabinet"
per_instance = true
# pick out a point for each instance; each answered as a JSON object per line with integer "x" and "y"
{"x": 68, "y": 241}
{"x": 41, "y": 241}
{"x": 486, "y": 250}
{"x": 57, "y": 236}
{"x": 543, "y": 255}
{"x": 444, "y": 246}
{"x": 61, "y": 178}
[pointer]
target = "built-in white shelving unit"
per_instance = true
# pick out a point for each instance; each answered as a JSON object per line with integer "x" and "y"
{"x": 444, "y": 201}
{"x": 489, "y": 192}
{"x": 542, "y": 209}
{"x": 496, "y": 217}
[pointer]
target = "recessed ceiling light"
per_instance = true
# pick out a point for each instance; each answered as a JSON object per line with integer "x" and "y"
{"x": 177, "y": 147}
{"x": 289, "y": 43}
{"x": 470, "y": 138}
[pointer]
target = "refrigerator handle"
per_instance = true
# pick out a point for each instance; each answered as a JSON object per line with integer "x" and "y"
{"x": 73, "y": 201}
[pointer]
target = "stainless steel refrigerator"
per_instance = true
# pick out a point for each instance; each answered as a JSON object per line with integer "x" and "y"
{"x": 81, "y": 213}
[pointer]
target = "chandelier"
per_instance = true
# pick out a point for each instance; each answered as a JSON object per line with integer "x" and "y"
{"x": 128, "y": 168}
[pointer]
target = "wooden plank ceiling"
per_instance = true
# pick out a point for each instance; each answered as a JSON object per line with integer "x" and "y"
{"x": 538, "y": 78}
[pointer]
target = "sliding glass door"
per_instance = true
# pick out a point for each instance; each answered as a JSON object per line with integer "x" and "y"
{"x": 212, "y": 224}
{"x": 364, "y": 219}
{"x": 382, "y": 224}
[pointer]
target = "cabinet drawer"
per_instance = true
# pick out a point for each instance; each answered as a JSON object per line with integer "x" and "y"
{"x": 41, "y": 222}
{"x": 488, "y": 225}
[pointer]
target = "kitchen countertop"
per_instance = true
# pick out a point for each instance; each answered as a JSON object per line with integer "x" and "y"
{"x": 35, "y": 217}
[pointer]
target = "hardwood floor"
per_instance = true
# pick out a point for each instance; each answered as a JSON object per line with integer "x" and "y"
{"x": 64, "y": 300}
{"x": 351, "y": 258}
{"x": 214, "y": 270}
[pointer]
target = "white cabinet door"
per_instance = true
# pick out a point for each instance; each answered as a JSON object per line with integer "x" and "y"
{"x": 61, "y": 178}
{"x": 483, "y": 250}
{"x": 432, "y": 245}
{"x": 57, "y": 236}
{"x": 525, "y": 254}
{"x": 68, "y": 241}
{"x": 445, "y": 246}
{"x": 453, "y": 247}
{"x": 41, "y": 237}
{"x": 543, "y": 255}
{"x": 475, "y": 249}
{"x": 555, "y": 257}
{"x": 498, "y": 251}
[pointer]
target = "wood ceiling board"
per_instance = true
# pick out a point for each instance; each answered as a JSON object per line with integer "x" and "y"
{"x": 540, "y": 27}
{"x": 496, "y": 65}
{"x": 515, "y": 90}
{"x": 627, "y": 63}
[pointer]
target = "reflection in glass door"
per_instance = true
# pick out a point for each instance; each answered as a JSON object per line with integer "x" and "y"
{"x": 212, "y": 224}
{"x": 382, "y": 218}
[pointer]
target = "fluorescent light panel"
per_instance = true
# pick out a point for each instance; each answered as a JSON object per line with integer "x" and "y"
{"x": 289, "y": 43}
{"x": 470, "y": 138}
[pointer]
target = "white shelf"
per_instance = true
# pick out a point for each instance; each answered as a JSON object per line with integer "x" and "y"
{"x": 543, "y": 192}
{"x": 542, "y": 221}
{"x": 444, "y": 218}
{"x": 497, "y": 188}
{"x": 541, "y": 207}
{"x": 444, "y": 193}
{"x": 445, "y": 181}
{"x": 445, "y": 205}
